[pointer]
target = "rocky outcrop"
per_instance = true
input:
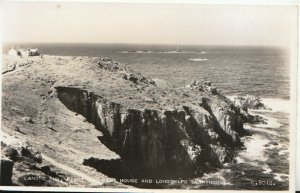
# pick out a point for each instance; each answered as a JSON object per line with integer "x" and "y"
{"x": 243, "y": 104}
{"x": 204, "y": 86}
{"x": 28, "y": 151}
{"x": 20, "y": 165}
{"x": 6, "y": 171}
{"x": 249, "y": 102}
{"x": 158, "y": 130}
{"x": 125, "y": 72}
{"x": 114, "y": 168}
{"x": 51, "y": 171}
{"x": 180, "y": 142}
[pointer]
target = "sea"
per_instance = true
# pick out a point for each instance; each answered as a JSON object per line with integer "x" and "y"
{"x": 236, "y": 71}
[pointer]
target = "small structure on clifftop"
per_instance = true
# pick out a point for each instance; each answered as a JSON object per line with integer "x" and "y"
{"x": 14, "y": 52}
{"x": 23, "y": 52}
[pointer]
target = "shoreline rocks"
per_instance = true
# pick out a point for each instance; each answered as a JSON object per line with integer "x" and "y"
{"x": 250, "y": 102}
{"x": 157, "y": 129}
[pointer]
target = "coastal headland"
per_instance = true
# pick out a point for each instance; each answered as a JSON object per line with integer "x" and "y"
{"x": 92, "y": 122}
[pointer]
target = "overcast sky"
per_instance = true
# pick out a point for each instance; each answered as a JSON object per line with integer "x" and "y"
{"x": 148, "y": 23}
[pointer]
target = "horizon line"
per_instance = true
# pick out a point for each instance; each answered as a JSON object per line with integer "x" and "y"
{"x": 166, "y": 44}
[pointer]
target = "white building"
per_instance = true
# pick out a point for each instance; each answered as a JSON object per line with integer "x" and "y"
{"x": 29, "y": 52}
{"x": 23, "y": 52}
{"x": 14, "y": 52}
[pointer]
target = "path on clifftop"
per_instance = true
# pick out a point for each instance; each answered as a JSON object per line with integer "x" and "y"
{"x": 73, "y": 171}
{"x": 16, "y": 67}
{"x": 10, "y": 70}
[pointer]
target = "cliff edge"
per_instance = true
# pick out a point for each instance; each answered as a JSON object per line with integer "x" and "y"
{"x": 110, "y": 122}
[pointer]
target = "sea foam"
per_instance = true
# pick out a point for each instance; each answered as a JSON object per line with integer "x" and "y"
{"x": 198, "y": 59}
{"x": 255, "y": 149}
{"x": 275, "y": 104}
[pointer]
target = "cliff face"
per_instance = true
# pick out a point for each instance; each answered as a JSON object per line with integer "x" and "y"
{"x": 148, "y": 128}
{"x": 181, "y": 142}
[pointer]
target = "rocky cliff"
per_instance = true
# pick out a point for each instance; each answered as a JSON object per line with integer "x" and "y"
{"x": 157, "y": 130}
{"x": 181, "y": 142}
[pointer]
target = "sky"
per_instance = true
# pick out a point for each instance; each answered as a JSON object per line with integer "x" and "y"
{"x": 148, "y": 23}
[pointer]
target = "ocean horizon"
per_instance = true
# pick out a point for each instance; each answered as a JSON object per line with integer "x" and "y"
{"x": 236, "y": 70}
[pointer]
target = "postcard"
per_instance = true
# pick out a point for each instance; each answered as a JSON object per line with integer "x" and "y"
{"x": 148, "y": 97}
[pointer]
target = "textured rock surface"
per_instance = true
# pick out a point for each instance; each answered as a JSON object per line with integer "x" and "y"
{"x": 82, "y": 107}
{"x": 20, "y": 165}
{"x": 157, "y": 143}
{"x": 6, "y": 171}
{"x": 249, "y": 102}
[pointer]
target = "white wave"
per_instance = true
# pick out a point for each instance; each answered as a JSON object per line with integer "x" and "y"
{"x": 282, "y": 148}
{"x": 239, "y": 160}
{"x": 138, "y": 51}
{"x": 271, "y": 123}
{"x": 255, "y": 149}
{"x": 276, "y": 104}
{"x": 267, "y": 169}
{"x": 198, "y": 59}
{"x": 178, "y": 52}
{"x": 231, "y": 97}
{"x": 272, "y": 146}
{"x": 279, "y": 177}
{"x": 284, "y": 151}
{"x": 263, "y": 130}
{"x": 218, "y": 176}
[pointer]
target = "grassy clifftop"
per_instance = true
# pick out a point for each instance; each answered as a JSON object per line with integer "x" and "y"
{"x": 109, "y": 122}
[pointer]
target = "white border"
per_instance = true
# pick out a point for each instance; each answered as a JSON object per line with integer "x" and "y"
{"x": 295, "y": 107}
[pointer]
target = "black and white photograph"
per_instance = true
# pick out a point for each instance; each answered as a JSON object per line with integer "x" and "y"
{"x": 148, "y": 96}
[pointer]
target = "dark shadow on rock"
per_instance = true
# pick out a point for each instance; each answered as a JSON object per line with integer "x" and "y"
{"x": 117, "y": 169}
{"x": 114, "y": 168}
{"x": 225, "y": 137}
{"x": 107, "y": 141}
{"x": 6, "y": 171}
{"x": 31, "y": 153}
{"x": 50, "y": 172}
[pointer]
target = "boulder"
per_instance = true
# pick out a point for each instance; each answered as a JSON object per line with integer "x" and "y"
{"x": 28, "y": 151}
{"x": 11, "y": 153}
{"x": 206, "y": 83}
{"x": 48, "y": 170}
{"x": 106, "y": 59}
{"x": 6, "y": 171}
{"x": 131, "y": 78}
{"x": 204, "y": 86}
{"x": 27, "y": 119}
